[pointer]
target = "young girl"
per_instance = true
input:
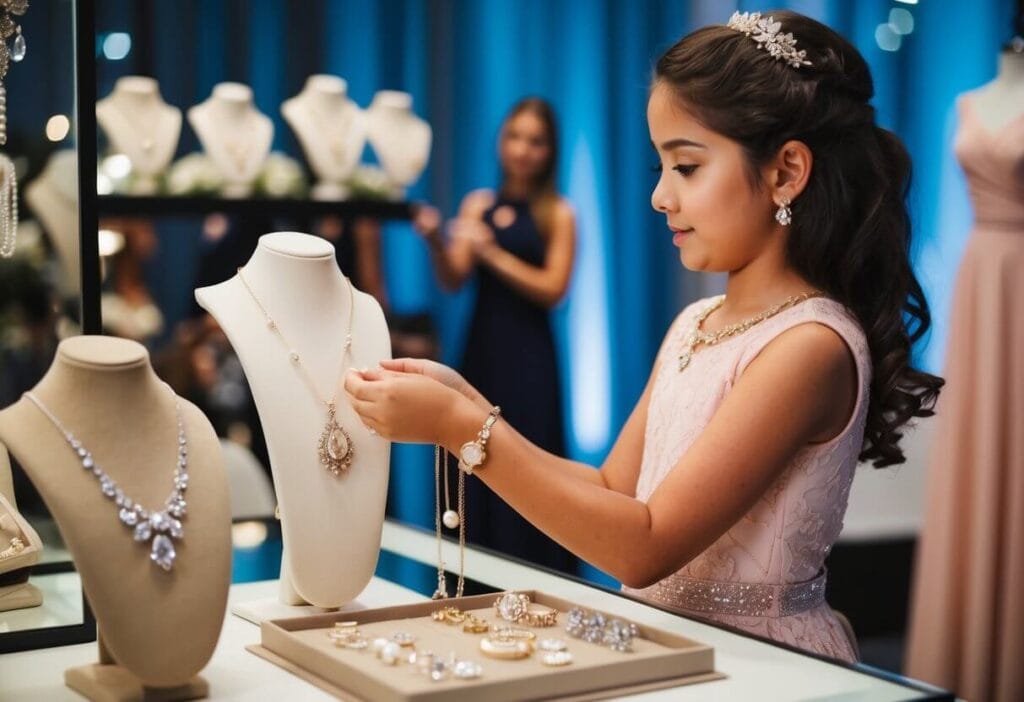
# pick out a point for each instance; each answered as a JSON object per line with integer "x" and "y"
{"x": 727, "y": 486}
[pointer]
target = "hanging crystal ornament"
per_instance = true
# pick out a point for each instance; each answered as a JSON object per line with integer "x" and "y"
{"x": 15, "y": 52}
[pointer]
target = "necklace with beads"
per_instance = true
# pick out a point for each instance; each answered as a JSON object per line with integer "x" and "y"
{"x": 699, "y": 337}
{"x": 158, "y": 527}
{"x": 450, "y": 519}
{"x": 335, "y": 444}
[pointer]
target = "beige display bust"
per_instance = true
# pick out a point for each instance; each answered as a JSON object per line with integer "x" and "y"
{"x": 53, "y": 199}
{"x": 234, "y": 134}
{"x": 330, "y": 127}
{"x": 140, "y": 125}
{"x": 20, "y": 548}
{"x": 400, "y": 139}
{"x": 158, "y": 628}
{"x": 330, "y": 523}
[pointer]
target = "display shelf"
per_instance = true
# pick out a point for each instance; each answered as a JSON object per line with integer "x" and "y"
{"x": 200, "y": 206}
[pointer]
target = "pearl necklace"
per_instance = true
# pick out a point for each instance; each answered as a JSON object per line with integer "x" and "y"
{"x": 8, "y": 207}
{"x": 157, "y": 527}
{"x": 335, "y": 445}
{"x": 449, "y": 521}
{"x": 698, "y": 337}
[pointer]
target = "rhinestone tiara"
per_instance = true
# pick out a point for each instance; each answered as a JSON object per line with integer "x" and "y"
{"x": 768, "y": 35}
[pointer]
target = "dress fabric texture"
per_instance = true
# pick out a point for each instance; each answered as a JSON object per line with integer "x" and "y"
{"x": 510, "y": 358}
{"x": 784, "y": 539}
{"x": 967, "y": 616}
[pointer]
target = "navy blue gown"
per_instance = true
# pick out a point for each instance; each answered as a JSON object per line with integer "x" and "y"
{"x": 510, "y": 358}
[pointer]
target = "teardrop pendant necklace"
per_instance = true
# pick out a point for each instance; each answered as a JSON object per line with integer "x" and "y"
{"x": 335, "y": 445}
{"x": 158, "y": 527}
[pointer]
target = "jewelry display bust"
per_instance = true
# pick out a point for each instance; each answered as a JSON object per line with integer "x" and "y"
{"x": 140, "y": 125}
{"x": 331, "y": 130}
{"x": 400, "y": 139}
{"x": 53, "y": 199}
{"x": 158, "y": 627}
{"x": 20, "y": 549}
{"x": 287, "y": 315}
{"x": 234, "y": 134}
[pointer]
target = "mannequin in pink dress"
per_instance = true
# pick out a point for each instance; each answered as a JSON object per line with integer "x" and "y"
{"x": 967, "y": 618}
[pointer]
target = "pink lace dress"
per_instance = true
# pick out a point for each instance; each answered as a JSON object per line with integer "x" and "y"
{"x": 766, "y": 574}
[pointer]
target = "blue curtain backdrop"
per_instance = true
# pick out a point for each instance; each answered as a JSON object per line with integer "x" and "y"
{"x": 466, "y": 62}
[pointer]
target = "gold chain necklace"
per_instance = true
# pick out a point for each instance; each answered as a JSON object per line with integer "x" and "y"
{"x": 335, "y": 445}
{"x": 442, "y": 586}
{"x": 698, "y": 337}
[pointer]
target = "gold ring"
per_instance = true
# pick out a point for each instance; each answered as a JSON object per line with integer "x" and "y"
{"x": 475, "y": 625}
{"x": 537, "y": 615}
{"x": 504, "y": 649}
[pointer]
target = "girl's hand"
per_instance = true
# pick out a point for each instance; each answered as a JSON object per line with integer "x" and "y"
{"x": 432, "y": 369}
{"x": 406, "y": 407}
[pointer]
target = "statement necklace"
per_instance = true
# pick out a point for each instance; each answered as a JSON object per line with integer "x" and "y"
{"x": 335, "y": 445}
{"x": 698, "y": 337}
{"x": 158, "y": 527}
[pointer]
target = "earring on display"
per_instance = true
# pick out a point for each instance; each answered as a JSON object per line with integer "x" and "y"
{"x": 784, "y": 215}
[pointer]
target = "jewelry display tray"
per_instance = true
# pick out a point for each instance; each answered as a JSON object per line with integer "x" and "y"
{"x": 300, "y": 645}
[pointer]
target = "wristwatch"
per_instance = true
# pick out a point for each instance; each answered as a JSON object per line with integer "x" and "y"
{"x": 473, "y": 453}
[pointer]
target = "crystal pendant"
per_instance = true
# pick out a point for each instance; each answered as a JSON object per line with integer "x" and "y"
{"x": 684, "y": 359}
{"x": 335, "y": 446}
{"x": 163, "y": 553}
{"x": 18, "y": 49}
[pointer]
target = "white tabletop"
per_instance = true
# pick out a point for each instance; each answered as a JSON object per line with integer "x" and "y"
{"x": 754, "y": 669}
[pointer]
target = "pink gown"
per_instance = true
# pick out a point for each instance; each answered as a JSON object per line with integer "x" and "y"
{"x": 765, "y": 575}
{"x": 967, "y": 615}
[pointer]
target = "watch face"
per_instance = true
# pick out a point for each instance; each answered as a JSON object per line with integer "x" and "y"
{"x": 472, "y": 454}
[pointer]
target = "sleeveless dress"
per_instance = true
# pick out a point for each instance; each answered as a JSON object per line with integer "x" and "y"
{"x": 967, "y": 614}
{"x": 510, "y": 358}
{"x": 765, "y": 575}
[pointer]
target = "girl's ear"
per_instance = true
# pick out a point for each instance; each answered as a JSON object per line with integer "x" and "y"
{"x": 788, "y": 172}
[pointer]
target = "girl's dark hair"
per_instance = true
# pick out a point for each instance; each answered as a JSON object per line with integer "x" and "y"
{"x": 850, "y": 235}
{"x": 543, "y": 190}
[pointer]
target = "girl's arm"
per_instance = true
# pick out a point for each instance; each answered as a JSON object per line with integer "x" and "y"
{"x": 798, "y": 390}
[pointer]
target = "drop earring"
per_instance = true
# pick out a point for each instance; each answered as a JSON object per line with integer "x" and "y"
{"x": 784, "y": 215}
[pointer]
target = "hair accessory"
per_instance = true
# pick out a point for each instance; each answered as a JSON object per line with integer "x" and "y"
{"x": 768, "y": 35}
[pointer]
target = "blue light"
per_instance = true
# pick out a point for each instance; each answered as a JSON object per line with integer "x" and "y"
{"x": 116, "y": 46}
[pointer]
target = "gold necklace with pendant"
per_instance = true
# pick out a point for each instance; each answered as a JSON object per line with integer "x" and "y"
{"x": 335, "y": 444}
{"x": 698, "y": 337}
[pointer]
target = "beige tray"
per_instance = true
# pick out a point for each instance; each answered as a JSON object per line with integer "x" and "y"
{"x": 659, "y": 659}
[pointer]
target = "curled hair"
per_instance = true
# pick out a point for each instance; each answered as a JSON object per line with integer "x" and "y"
{"x": 850, "y": 234}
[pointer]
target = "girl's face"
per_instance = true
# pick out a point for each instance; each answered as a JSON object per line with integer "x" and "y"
{"x": 718, "y": 221}
{"x": 524, "y": 147}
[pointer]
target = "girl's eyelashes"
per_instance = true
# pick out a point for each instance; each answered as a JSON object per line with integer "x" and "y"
{"x": 683, "y": 169}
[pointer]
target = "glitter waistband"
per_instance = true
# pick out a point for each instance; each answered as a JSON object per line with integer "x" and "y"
{"x": 741, "y": 599}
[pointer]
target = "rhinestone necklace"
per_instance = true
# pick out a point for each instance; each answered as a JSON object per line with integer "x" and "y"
{"x": 335, "y": 445}
{"x": 442, "y": 586}
{"x": 8, "y": 207}
{"x": 698, "y": 337}
{"x": 156, "y": 527}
